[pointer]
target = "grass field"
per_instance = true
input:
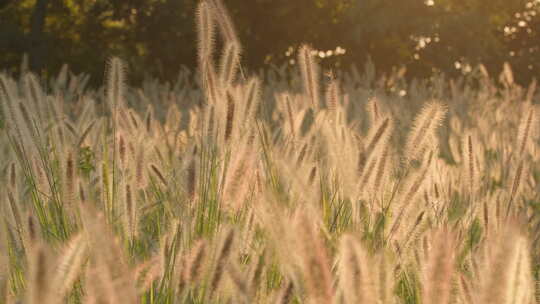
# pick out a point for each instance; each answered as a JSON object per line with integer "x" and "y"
{"x": 283, "y": 187}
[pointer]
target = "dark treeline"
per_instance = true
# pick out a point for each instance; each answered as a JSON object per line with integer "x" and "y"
{"x": 157, "y": 37}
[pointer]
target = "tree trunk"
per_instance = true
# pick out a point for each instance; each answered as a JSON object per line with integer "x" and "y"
{"x": 37, "y": 50}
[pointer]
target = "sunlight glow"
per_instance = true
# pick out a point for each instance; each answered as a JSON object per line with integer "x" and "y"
{"x": 318, "y": 53}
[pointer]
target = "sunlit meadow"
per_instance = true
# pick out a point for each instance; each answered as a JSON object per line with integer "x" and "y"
{"x": 289, "y": 186}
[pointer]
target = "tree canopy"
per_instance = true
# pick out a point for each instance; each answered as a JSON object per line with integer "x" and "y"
{"x": 157, "y": 37}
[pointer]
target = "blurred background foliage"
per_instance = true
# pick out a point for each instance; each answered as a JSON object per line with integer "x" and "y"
{"x": 157, "y": 37}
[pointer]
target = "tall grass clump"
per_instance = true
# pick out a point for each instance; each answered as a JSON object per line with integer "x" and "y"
{"x": 235, "y": 187}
